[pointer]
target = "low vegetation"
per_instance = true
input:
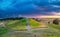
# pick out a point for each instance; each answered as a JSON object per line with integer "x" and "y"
{"x": 3, "y": 30}
{"x": 55, "y": 26}
{"x": 21, "y": 24}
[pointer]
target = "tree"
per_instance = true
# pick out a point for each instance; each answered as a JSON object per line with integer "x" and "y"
{"x": 56, "y": 21}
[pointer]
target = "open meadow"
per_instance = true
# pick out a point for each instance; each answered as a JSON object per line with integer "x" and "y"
{"x": 18, "y": 28}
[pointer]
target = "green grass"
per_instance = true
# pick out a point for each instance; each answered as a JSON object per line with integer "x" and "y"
{"x": 3, "y": 30}
{"x": 51, "y": 35}
{"x": 16, "y": 24}
{"x": 45, "y": 33}
{"x": 34, "y": 24}
{"x": 21, "y": 24}
{"x": 55, "y": 26}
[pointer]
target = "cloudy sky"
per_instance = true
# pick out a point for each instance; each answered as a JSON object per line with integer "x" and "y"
{"x": 10, "y": 8}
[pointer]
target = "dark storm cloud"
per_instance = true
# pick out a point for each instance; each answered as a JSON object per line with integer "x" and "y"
{"x": 27, "y": 7}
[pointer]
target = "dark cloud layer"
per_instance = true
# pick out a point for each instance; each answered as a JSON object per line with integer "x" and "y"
{"x": 10, "y": 8}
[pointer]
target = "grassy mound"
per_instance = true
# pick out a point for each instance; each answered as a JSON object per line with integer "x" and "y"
{"x": 16, "y": 24}
{"x": 21, "y": 24}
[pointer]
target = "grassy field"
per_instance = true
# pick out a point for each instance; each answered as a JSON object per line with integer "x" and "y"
{"x": 38, "y": 33}
{"x": 16, "y": 25}
{"x": 52, "y": 30}
{"x": 55, "y": 26}
{"x": 21, "y": 24}
{"x": 3, "y": 30}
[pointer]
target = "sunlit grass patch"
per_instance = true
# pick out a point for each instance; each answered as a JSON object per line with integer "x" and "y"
{"x": 34, "y": 24}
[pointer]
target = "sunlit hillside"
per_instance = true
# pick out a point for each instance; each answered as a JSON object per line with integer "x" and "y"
{"x": 19, "y": 27}
{"x": 20, "y": 24}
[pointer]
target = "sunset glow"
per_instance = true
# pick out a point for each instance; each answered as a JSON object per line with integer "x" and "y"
{"x": 49, "y": 16}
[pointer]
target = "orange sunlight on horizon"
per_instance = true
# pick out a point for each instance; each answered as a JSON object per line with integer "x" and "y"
{"x": 48, "y": 16}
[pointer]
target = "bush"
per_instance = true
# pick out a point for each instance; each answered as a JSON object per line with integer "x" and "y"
{"x": 56, "y": 21}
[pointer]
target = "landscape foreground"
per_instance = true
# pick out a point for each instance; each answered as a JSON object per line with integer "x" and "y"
{"x": 29, "y": 27}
